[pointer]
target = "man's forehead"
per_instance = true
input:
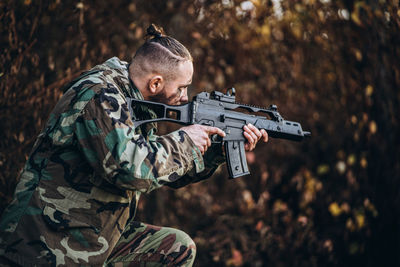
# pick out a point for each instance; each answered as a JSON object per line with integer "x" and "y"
{"x": 186, "y": 70}
{"x": 186, "y": 65}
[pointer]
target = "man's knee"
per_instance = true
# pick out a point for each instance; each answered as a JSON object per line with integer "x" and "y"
{"x": 162, "y": 246}
{"x": 184, "y": 239}
{"x": 184, "y": 251}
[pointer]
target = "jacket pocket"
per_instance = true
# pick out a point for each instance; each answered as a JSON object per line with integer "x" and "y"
{"x": 58, "y": 220}
{"x": 80, "y": 237}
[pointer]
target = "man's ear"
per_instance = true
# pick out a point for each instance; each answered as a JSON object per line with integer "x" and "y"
{"x": 156, "y": 83}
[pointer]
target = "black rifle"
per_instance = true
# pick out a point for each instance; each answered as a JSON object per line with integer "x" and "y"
{"x": 217, "y": 109}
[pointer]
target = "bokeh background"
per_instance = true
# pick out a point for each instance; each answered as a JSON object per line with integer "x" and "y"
{"x": 332, "y": 200}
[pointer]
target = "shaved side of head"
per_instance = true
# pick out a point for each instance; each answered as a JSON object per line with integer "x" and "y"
{"x": 160, "y": 55}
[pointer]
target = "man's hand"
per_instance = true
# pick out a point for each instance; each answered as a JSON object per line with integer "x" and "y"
{"x": 252, "y": 135}
{"x": 200, "y": 135}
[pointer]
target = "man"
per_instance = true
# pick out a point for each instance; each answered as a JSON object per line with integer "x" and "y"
{"x": 77, "y": 194}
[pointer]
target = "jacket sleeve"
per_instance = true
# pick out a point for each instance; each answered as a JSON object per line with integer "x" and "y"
{"x": 213, "y": 158}
{"x": 108, "y": 141}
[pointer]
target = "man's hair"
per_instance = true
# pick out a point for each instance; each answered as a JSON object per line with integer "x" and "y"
{"x": 160, "y": 54}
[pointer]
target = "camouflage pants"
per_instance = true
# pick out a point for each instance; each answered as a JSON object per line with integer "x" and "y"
{"x": 148, "y": 245}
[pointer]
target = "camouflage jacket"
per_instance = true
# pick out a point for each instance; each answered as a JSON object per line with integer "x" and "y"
{"x": 87, "y": 169}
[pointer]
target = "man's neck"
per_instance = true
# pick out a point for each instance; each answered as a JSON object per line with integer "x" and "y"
{"x": 138, "y": 81}
{"x": 140, "y": 85}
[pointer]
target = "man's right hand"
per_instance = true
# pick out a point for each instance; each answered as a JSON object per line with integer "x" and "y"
{"x": 200, "y": 135}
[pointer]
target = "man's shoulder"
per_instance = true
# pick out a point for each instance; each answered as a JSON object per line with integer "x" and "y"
{"x": 107, "y": 84}
{"x": 115, "y": 64}
{"x": 113, "y": 73}
{"x": 104, "y": 73}
{"x": 113, "y": 70}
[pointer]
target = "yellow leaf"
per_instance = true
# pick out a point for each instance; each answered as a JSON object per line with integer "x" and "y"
{"x": 321, "y": 15}
{"x": 297, "y": 31}
{"x": 353, "y": 119}
{"x": 351, "y": 159}
{"x": 358, "y": 54}
{"x": 372, "y": 127}
{"x": 323, "y": 169}
{"x": 334, "y": 209}
{"x": 360, "y": 220}
{"x": 248, "y": 198}
{"x": 369, "y": 90}
{"x": 256, "y": 3}
{"x": 355, "y": 18}
{"x": 350, "y": 225}
{"x": 363, "y": 163}
{"x": 279, "y": 206}
{"x": 370, "y": 207}
{"x": 265, "y": 31}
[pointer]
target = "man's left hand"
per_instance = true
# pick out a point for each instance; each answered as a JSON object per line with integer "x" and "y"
{"x": 252, "y": 135}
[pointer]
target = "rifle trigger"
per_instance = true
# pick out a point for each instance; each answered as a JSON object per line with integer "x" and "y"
{"x": 215, "y": 138}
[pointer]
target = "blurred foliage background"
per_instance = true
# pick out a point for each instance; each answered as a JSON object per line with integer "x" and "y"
{"x": 332, "y": 200}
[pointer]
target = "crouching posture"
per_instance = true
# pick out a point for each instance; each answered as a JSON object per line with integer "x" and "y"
{"x": 77, "y": 195}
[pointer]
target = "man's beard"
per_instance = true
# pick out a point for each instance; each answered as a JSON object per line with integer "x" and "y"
{"x": 162, "y": 98}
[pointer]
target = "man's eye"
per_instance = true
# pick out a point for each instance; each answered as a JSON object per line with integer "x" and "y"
{"x": 182, "y": 90}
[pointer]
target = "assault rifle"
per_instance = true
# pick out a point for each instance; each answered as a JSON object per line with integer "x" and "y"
{"x": 218, "y": 110}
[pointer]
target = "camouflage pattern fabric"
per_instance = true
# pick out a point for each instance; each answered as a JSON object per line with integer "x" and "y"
{"x": 80, "y": 186}
{"x": 148, "y": 245}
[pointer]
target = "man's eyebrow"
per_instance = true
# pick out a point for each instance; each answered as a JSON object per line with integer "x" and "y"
{"x": 185, "y": 85}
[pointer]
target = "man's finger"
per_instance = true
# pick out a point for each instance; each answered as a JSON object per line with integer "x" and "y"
{"x": 255, "y": 130}
{"x": 214, "y": 130}
{"x": 247, "y": 146}
{"x": 249, "y": 138}
{"x": 265, "y": 135}
{"x": 201, "y": 149}
{"x": 251, "y": 133}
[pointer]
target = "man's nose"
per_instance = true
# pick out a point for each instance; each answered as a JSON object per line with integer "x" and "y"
{"x": 184, "y": 98}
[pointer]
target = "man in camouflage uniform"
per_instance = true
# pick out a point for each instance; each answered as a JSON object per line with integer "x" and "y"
{"x": 77, "y": 194}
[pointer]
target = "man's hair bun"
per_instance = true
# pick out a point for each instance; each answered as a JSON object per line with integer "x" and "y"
{"x": 155, "y": 32}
